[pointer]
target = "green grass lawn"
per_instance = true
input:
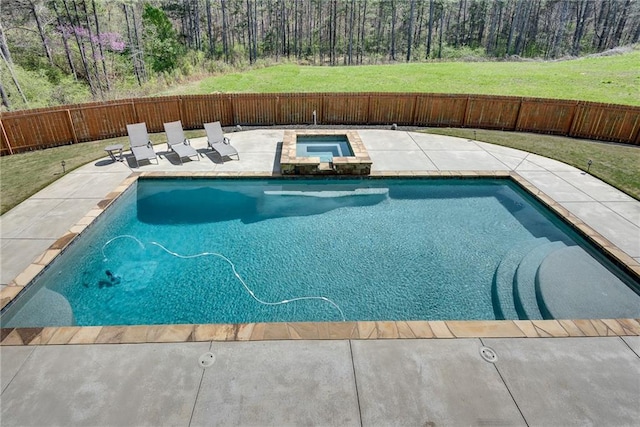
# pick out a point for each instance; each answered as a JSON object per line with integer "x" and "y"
{"x": 24, "y": 174}
{"x": 610, "y": 79}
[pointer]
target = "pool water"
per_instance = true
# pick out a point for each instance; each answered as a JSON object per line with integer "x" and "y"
{"x": 324, "y": 146}
{"x": 168, "y": 252}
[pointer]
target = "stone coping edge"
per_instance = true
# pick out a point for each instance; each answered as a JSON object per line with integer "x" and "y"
{"x": 320, "y": 331}
{"x": 315, "y": 330}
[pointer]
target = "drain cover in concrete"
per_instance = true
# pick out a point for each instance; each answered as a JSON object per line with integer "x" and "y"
{"x": 207, "y": 360}
{"x": 488, "y": 354}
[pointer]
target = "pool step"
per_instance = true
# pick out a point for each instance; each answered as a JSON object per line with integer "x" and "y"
{"x": 571, "y": 284}
{"x": 524, "y": 284}
{"x": 59, "y": 310}
{"x": 502, "y": 293}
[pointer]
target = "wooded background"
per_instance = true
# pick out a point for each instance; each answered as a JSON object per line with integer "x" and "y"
{"x": 103, "y": 43}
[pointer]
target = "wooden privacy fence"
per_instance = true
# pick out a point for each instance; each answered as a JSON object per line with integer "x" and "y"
{"x": 49, "y": 127}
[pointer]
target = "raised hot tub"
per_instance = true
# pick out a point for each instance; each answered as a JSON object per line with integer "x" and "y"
{"x": 323, "y": 152}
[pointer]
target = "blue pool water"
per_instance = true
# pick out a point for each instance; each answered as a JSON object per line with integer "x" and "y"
{"x": 168, "y": 252}
{"x": 324, "y": 146}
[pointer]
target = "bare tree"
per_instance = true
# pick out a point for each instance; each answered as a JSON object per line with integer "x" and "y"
{"x": 621, "y": 24}
{"x": 74, "y": 29}
{"x": 394, "y": 16}
{"x": 351, "y": 28}
{"x": 210, "y": 36}
{"x": 412, "y": 8}
{"x": 442, "y": 13}
{"x": 65, "y": 42}
{"x": 225, "y": 30}
{"x": 561, "y": 30}
{"x": 4, "y": 97}
{"x": 4, "y": 47}
{"x": 430, "y": 30}
{"x": 333, "y": 25}
{"x": 41, "y": 32}
{"x": 7, "y": 59}
{"x": 134, "y": 44}
{"x": 363, "y": 20}
{"x": 583, "y": 9}
{"x": 92, "y": 44}
{"x": 102, "y": 58}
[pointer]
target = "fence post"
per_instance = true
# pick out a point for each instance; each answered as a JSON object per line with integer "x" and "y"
{"x": 414, "y": 110}
{"x": 466, "y": 110}
{"x": 233, "y": 110}
{"x": 515, "y": 124}
{"x": 72, "y": 127}
{"x": 135, "y": 111}
{"x": 6, "y": 137}
{"x": 573, "y": 116}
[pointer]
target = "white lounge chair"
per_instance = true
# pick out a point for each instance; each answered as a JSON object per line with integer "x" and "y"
{"x": 141, "y": 147}
{"x": 177, "y": 142}
{"x": 218, "y": 142}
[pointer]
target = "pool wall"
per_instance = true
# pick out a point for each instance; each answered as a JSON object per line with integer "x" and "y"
{"x": 316, "y": 330}
{"x": 291, "y": 164}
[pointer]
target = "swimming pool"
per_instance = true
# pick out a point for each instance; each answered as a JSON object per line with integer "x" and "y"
{"x": 169, "y": 250}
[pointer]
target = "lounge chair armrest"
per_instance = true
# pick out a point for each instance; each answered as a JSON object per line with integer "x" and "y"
{"x": 187, "y": 142}
{"x": 149, "y": 144}
{"x": 226, "y": 140}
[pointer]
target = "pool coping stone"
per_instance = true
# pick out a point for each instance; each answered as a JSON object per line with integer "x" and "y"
{"x": 429, "y": 329}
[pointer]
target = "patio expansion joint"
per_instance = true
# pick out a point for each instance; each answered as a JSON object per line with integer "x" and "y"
{"x": 355, "y": 381}
{"x": 515, "y": 402}
{"x": 506, "y": 167}
{"x": 603, "y": 204}
{"x": 526, "y": 157}
{"x": 576, "y": 189}
{"x": 630, "y": 348}
{"x": 421, "y": 149}
{"x": 19, "y": 370}
{"x": 195, "y": 400}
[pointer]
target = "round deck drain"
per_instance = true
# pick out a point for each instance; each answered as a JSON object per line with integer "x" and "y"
{"x": 488, "y": 354}
{"x": 207, "y": 360}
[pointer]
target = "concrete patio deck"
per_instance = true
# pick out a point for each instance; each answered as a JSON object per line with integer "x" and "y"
{"x": 538, "y": 381}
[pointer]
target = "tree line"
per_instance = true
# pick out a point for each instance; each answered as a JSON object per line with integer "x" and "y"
{"x": 105, "y": 42}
